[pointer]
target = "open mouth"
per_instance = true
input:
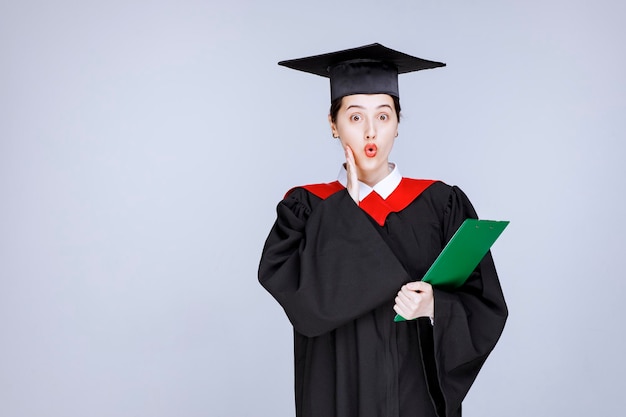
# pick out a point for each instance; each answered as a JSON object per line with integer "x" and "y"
{"x": 370, "y": 150}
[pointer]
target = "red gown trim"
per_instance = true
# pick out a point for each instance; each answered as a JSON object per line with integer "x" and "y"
{"x": 374, "y": 205}
{"x": 324, "y": 191}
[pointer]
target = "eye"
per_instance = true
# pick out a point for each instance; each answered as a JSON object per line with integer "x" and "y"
{"x": 383, "y": 117}
{"x": 355, "y": 117}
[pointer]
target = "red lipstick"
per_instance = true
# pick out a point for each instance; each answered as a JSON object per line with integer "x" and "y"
{"x": 370, "y": 150}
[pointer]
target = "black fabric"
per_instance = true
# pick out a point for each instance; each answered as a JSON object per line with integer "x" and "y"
{"x": 368, "y": 69}
{"x": 336, "y": 273}
{"x": 425, "y": 330}
{"x": 363, "y": 78}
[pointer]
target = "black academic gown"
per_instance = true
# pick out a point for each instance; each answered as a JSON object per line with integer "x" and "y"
{"x": 336, "y": 270}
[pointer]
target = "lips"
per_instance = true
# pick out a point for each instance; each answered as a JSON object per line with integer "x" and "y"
{"x": 370, "y": 150}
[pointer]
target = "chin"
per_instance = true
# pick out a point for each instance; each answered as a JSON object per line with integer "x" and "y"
{"x": 372, "y": 164}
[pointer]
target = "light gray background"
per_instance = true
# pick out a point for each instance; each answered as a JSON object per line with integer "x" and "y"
{"x": 145, "y": 144}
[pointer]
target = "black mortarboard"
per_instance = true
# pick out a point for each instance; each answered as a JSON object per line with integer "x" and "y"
{"x": 369, "y": 69}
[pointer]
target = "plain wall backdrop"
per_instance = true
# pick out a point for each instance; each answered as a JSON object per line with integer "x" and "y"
{"x": 144, "y": 146}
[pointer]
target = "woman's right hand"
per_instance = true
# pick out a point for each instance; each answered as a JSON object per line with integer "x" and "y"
{"x": 353, "y": 179}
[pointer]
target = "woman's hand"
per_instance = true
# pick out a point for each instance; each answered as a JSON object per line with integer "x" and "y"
{"x": 353, "y": 179}
{"x": 414, "y": 300}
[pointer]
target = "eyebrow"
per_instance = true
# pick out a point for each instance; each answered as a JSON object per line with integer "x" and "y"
{"x": 357, "y": 106}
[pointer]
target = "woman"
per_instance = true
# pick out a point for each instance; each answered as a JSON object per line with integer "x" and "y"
{"x": 345, "y": 257}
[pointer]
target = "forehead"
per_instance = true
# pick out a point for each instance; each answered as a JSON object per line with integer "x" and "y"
{"x": 367, "y": 101}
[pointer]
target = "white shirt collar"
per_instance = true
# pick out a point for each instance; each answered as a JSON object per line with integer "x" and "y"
{"x": 383, "y": 188}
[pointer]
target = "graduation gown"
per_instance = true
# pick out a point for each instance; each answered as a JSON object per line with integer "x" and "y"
{"x": 335, "y": 267}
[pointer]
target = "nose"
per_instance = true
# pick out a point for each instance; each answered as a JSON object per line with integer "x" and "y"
{"x": 370, "y": 131}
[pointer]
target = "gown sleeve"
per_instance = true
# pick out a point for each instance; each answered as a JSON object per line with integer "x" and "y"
{"x": 468, "y": 320}
{"x": 324, "y": 264}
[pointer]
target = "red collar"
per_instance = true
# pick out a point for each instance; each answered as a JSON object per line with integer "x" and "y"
{"x": 374, "y": 205}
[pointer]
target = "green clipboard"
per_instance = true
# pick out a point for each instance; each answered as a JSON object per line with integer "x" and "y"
{"x": 467, "y": 247}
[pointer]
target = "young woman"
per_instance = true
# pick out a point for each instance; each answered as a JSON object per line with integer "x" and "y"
{"x": 345, "y": 257}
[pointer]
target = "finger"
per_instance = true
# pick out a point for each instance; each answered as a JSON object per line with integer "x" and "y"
{"x": 349, "y": 155}
{"x": 403, "y": 302}
{"x": 405, "y": 308}
{"x": 406, "y": 300}
{"x": 419, "y": 286}
{"x": 350, "y": 158}
{"x": 349, "y": 152}
{"x": 406, "y": 313}
{"x": 409, "y": 299}
{"x": 401, "y": 311}
{"x": 353, "y": 181}
{"x": 410, "y": 294}
{"x": 406, "y": 296}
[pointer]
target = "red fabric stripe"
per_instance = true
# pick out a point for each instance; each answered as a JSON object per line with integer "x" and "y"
{"x": 374, "y": 205}
{"x": 323, "y": 191}
{"x": 407, "y": 191}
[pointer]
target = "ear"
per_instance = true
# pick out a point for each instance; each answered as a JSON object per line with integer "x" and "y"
{"x": 333, "y": 127}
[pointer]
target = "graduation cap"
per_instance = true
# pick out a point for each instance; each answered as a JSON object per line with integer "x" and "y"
{"x": 369, "y": 69}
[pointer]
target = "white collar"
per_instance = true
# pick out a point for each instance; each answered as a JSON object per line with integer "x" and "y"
{"x": 383, "y": 188}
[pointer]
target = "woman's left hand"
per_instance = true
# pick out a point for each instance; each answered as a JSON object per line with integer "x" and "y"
{"x": 414, "y": 300}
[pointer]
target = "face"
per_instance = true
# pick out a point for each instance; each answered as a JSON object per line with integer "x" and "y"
{"x": 368, "y": 124}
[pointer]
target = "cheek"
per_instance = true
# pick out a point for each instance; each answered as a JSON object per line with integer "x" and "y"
{"x": 349, "y": 136}
{"x": 391, "y": 134}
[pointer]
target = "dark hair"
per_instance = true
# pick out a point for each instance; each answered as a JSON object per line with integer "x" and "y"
{"x": 335, "y": 105}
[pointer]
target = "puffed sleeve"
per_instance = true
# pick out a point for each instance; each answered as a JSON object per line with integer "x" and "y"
{"x": 325, "y": 262}
{"x": 468, "y": 320}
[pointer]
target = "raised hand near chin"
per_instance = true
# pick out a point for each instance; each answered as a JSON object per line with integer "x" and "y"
{"x": 353, "y": 180}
